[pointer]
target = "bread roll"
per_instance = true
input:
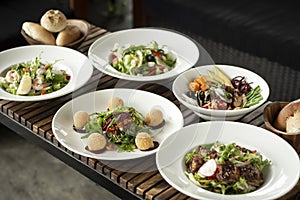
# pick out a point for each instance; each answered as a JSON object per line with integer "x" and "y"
{"x": 286, "y": 111}
{"x": 38, "y": 33}
{"x": 54, "y": 21}
{"x": 68, "y": 35}
{"x": 293, "y": 123}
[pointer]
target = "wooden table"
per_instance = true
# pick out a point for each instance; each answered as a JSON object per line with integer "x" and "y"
{"x": 137, "y": 180}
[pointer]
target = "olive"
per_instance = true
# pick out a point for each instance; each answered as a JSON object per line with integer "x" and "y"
{"x": 201, "y": 95}
{"x": 208, "y": 98}
{"x": 161, "y": 51}
{"x": 150, "y": 58}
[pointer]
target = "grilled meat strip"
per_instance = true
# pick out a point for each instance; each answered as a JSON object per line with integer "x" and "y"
{"x": 252, "y": 175}
{"x": 228, "y": 173}
{"x": 195, "y": 163}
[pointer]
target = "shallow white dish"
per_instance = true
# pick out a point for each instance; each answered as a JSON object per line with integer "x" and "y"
{"x": 62, "y": 123}
{"x": 75, "y": 63}
{"x": 280, "y": 177}
{"x": 185, "y": 49}
{"x": 180, "y": 87}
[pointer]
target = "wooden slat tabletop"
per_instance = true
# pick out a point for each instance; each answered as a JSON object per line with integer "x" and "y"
{"x": 139, "y": 177}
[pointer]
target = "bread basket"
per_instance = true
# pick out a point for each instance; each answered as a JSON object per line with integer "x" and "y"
{"x": 270, "y": 113}
{"x": 81, "y": 24}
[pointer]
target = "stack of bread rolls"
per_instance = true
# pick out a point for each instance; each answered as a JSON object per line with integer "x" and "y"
{"x": 288, "y": 119}
{"x": 53, "y": 29}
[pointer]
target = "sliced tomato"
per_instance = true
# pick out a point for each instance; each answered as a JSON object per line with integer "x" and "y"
{"x": 43, "y": 92}
{"x": 46, "y": 66}
{"x": 157, "y": 54}
{"x": 110, "y": 129}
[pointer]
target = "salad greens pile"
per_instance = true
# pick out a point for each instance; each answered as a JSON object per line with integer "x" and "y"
{"x": 225, "y": 169}
{"x": 34, "y": 78}
{"x": 120, "y": 126}
{"x": 142, "y": 60}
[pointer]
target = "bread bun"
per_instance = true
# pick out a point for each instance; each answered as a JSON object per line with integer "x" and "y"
{"x": 68, "y": 35}
{"x": 293, "y": 123}
{"x": 54, "y": 21}
{"x": 285, "y": 113}
{"x": 38, "y": 33}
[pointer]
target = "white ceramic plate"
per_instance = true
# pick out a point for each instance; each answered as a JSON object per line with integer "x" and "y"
{"x": 75, "y": 63}
{"x": 280, "y": 177}
{"x": 180, "y": 87}
{"x": 185, "y": 49}
{"x": 62, "y": 124}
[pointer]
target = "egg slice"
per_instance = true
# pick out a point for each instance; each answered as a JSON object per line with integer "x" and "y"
{"x": 25, "y": 85}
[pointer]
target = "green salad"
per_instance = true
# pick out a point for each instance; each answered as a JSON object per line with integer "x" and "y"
{"x": 120, "y": 126}
{"x": 34, "y": 78}
{"x": 142, "y": 60}
{"x": 225, "y": 169}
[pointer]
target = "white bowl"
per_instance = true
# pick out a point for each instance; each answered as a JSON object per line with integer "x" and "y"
{"x": 180, "y": 87}
{"x": 185, "y": 49}
{"x": 279, "y": 178}
{"x": 143, "y": 101}
{"x": 75, "y": 63}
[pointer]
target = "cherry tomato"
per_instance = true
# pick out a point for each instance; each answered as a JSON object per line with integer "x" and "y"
{"x": 110, "y": 129}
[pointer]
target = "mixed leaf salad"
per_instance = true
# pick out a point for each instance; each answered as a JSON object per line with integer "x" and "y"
{"x": 120, "y": 126}
{"x": 219, "y": 92}
{"x": 225, "y": 168}
{"x": 34, "y": 78}
{"x": 142, "y": 60}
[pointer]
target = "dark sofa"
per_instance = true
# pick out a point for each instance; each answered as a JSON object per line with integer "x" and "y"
{"x": 263, "y": 36}
{"x": 15, "y": 12}
{"x": 265, "y": 28}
